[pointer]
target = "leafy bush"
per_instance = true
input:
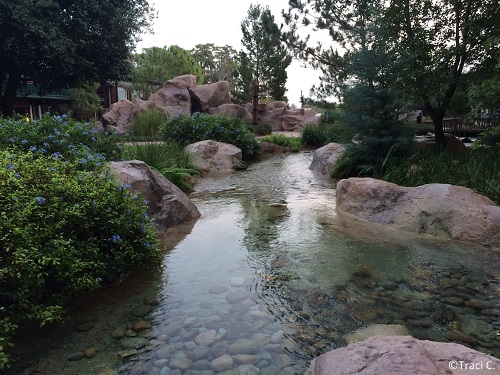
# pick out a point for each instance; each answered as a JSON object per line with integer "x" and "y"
{"x": 148, "y": 123}
{"x": 63, "y": 232}
{"x": 421, "y": 129}
{"x": 479, "y": 170}
{"x": 490, "y": 139}
{"x": 170, "y": 159}
{"x": 261, "y": 129}
{"x": 294, "y": 144}
{"x": 200, "y": 126}
{"x": 60, "y": 136}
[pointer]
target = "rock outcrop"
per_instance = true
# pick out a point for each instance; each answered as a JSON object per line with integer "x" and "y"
{"x": 396, "y": 355}
{"x": 441, "y": 210}
{"x": 216, "y": 157}
{"x": 232, "y": 110}
{"x": 168, "y": 205}
{"x": 209, "y": 96}
{"x": 296, "y": 119}
{"x": 325, "y": 157}
{"x": 174, "y": 97}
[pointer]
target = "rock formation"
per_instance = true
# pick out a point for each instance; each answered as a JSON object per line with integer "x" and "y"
{"x": 396, "y": 355}
{"x": 181, "y": 95}
{"x": 441, "y": 210}
{"x": 168, "y": 205}
{"x": 216, "y": 157}
{"x": 325, "y": 157}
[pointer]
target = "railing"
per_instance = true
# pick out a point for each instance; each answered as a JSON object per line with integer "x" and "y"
{"x": 456, "y": 125}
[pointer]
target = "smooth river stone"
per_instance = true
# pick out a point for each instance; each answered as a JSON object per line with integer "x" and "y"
{"x": 248, "y": 370}
{"x": 237, "y": 281}
{"x": 218, "y": 289}
{"x": 142, "y": 311}
{"x": 180, "y": 361}
{"x": 141, "y": 325}
{"x": 243, "y": 346}
{"x": 222, "y": 363}
{"x": 75, "y": 356}
{"x": 206, "y": 338}
{"x": 134, "y": 343}
{"x": 246, "y": 359}
{"x": 236, "y": 296}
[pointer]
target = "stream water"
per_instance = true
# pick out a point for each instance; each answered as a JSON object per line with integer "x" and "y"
{"x": 268, "y": 278}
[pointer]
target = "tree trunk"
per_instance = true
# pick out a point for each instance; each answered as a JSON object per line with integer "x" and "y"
{"x": 8, "y": 97}
{"x": 437, "y": 116}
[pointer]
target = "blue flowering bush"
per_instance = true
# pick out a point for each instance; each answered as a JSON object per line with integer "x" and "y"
{"x": 59, "y": 136}
{"x": 201, "y": 126}
{"x": 66, "y": 226}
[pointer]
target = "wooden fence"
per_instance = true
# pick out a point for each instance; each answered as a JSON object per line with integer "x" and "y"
{"x": 460, "y": 126}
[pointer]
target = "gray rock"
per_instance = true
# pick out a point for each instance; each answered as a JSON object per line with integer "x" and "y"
{"x": 248, "y": 370}
{"x": 75, "y": 356}
{"x": 133, "y": 342}
{"x": 215, "y": 157}
{"x": 206, "y": 337}
{"x": 180, "y": 361}
{"x": 325, "y": 157}
{"x": 243, "y": 346}
{"x": 222, "y": 363}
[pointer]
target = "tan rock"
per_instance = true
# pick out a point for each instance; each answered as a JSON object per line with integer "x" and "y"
{"x": 440, "y": 210}
{"x": 395, "y": 355}
{"x": 167, "y": 204}
{"x": 376, "y": 330}
{"x": 119, "y": 116}
{"x": 273, "y": 117}
{"x": 325, "y": 157}
{"x": 296, "y": 119}
{"x": 209, "y": 96}
{"x": 174, "y": 98}
{"x": 215, "y": 157}
{"x": 232, "y": 110}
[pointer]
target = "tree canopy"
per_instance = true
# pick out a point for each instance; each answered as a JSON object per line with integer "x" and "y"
{"x": 263, "y": 53}
{"x": 432, "y": 42}
{"x": 58, "y": 43}
{"x": 218, "y": 63}
{"x": 155, "y": 65}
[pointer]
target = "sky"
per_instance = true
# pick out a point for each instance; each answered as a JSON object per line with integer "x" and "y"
{"x": 187, "y": 23}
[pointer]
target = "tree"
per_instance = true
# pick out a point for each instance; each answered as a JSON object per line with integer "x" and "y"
{"x": 264, "y": 52}
{"x": 243, "y": 78}
{"x": 433, "y": 42}
{"x": 218, "y": 63}
{"x": 84, "y": 101}
{"x": 155, "y": 65}
{"x": 60, "y": 43}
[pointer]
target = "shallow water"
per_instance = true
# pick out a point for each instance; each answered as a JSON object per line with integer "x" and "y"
{"x": 270, "y": 277}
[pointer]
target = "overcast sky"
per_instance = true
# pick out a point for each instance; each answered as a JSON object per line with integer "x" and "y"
{"x": 187, "y": 23}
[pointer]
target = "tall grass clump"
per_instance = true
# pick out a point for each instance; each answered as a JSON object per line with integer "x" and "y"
{"x": 478, "y": 170}
{"x": 326, "y": 132}
{"x": 293, "y": 143}
{"x": 148, "y": 123}
{"x": 186, "y": 129}
{"x": 168, "y": 158}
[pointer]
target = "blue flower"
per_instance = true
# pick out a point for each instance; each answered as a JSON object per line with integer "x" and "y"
{"x": 52, "y": 169}
{"x": 24, "y": 141}
{"x": 127, "y": 186}
{"x": 32, "y": 148}
{"x": 42, "y": 151}
{"x": 147, "y": 244}
{"x": 17, "y": 175}
{"x": 71, "y": 147}
{"x": 146, "y": 202}
{"x": 12, "y": 140}
{"x": 11, "y": 167}
{"x": 64, "y": 116}
{"x": 115, "y": 238}
{"x": 99, "y": 279}
{"x": 57, "y": 154}
{"x": 40, "y": 200}
{"x": 135, "y": 196}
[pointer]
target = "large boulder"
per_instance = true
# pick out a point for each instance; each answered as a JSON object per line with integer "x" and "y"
{"x": 442, "y": 210}
{"x": 209, "y": 96}
{"x": 168, "y": 205}
{"x": 325, "y": 157}
{"x": 273, "y": 116}
{"x": 454, "y": 145}
{"x": 216, "y": 157}
{"x": 396, "y": 355}
{"x": 232, "y": 110}
{"x": 174, "y": 97}
{"x": 119, "y": 116}
{"x": 296, "y": 119}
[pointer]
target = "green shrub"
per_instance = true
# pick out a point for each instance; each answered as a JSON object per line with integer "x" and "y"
{"x": 420, "y": 129}
{"x": 170, "y": 159}
{"x": 479, "y": 170}
{"x": 261, "y": 129}
{"x": 63, "y": 231}
{"x": 61, "y": 137}
{"x": 294, "y": 144}
{"x": 200, "y": 126}
{"x": 148, "y": 123}
{"x": 325, "y": 132}
{"x": 490, "y": 139}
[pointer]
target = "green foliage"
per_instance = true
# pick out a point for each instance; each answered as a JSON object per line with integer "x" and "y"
{"x": 260, "y": 129}
{"x": 326, "y": 132}
{"x": 155, "y": 65}
{"x": 60, "y": 137}
{"x": 170, "y": 159}
{"x": 489, "y": 139}
{"x": 267, "y": 57}
{"x": 64, "y": 43}
{"x": 85, "y": 101}
{"x": 186, "y": 129}
{"x": 293, "y": 143}
{"x": 218, "y": 63}
{"x": 243, "y": 81}
{"x": 479, "y": 170}
{"x": 148, "y": 123}
{"x": 420, "y": 129}
{"x": 372, "y": 114}
{"x": 63, "y": 231}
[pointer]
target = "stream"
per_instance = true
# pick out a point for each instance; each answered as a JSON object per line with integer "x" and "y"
{"x": 267, "y": 279}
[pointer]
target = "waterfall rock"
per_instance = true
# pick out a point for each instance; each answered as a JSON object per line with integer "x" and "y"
{"x": 441, "y": 210}
{"x": 216, "y": 157}
{"x": 168, "y": 205}
{"x": 232, "y": 110}
{"x": 174, "y": 97}
{"x": 394, "y": 355}
{"x": 325, "y": 157}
